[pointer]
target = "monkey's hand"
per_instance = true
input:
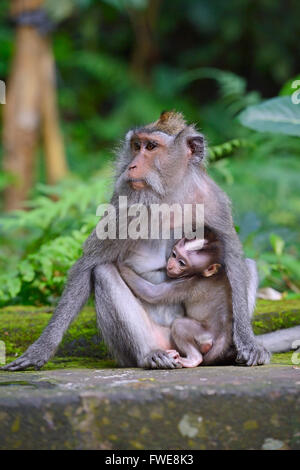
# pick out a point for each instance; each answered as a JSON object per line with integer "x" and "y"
{"x": 125, "y": 271}
{"x": 252, "y": 354}
{"x": 160, "y": 359}
{"x": 35, "y": 356}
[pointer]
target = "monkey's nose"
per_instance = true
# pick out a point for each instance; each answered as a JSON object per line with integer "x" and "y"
{"x": 131, "y": 167}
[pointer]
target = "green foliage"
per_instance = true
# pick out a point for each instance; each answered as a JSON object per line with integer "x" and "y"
{"x": 290, "y": 86}
{"x": 278, "y": 115}
{"x": 41, "y": 244}
{"x": 219, "y": 151}
{"x": 198, "y": 58}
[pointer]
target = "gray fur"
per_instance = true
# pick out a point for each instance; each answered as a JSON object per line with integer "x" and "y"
{"x": 252, "y": 285}
{"x": 282, "y": 340}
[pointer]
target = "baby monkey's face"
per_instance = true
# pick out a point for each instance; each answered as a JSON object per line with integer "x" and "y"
{"x": 183, "y": 262}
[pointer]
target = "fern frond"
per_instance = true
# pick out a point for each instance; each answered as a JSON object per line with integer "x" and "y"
{"x": 217, "y": 152}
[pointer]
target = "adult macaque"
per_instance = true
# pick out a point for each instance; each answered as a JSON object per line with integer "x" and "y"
{"x": 198, "y": 280}
{"x": 160, "y": 163}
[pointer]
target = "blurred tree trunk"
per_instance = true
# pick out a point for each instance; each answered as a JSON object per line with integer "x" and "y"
{"x": 56, "y": 165}
{"x": 30, "y": 107}
{"x": 145, "y": 51}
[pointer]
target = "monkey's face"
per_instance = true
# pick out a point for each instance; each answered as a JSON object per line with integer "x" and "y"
{"x": 183, "y": 263}
{"x": 153, "y": 164}
{"x": 179, "y": 263}
{"x": 148, "y": 152}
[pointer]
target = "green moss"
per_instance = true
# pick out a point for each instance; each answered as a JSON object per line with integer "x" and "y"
{"x": 273, "y": 315}
{"x": 269, "y": 306}
{"x": 21, "y": 326}
{"x": 284, "y": 359}
{"x": 59, "y": 362}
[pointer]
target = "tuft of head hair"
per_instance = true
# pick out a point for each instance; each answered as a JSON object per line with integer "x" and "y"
{"x": 194, "y": 245}
{"x": 169, "y": 122}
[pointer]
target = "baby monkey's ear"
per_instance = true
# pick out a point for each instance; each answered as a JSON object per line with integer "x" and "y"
{"x": 211, "y": 270}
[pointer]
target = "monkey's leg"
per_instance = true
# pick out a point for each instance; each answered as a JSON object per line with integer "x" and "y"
{"x": 75, "y": 295}
{"x": 249, "y": 351}
{"x": 184, "y": 331}
{"x": 126, "y": 327}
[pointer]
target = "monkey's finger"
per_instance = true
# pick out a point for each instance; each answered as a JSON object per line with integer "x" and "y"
{"x": 16, "y": 367}
{"x": 242, "y": 358}
{"x": 252, "y": 361}
{"x": 11, "y": 365}
{"x": 150, "y": 363}
{"x": 161, "y": 362}
{"x": 166, "y": 361}
{"x": 262, "y": 357}
{"x": 18, "y": 364}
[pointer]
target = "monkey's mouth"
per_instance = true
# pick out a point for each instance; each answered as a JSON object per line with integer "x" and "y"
{"x": 174, "y": 275}
{"x": 136, "y": 183}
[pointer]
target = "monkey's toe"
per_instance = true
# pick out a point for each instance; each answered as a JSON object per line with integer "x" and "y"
{"x": 254, "y": 355}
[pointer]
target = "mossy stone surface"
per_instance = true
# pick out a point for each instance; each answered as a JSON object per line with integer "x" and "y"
{"x": 271, "y": 315}
{"x": 20, "y": 326}
{"x": 82, "y": 400}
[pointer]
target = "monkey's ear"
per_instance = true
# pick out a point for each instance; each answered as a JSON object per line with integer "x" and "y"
{"x": 196, "y": 146}
{"x": 129, "y": 135}
{"x": 211, "y": 270}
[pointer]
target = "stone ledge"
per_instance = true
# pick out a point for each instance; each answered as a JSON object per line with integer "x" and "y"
{"x": 202, "y": 408}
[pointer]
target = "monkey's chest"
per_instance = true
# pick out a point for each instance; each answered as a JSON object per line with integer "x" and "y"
{"x": 148, "y": 257}
{"x": 207, "y": 302}
{"x": 199, "y": 310}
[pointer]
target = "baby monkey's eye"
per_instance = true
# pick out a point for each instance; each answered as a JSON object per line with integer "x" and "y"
{"x": 174, "y": 254}
{"x": 151, "y": 145}
{"x": 181, "y": 262}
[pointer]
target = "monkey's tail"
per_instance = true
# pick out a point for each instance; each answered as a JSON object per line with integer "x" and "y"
{"x": 281, "y": 340}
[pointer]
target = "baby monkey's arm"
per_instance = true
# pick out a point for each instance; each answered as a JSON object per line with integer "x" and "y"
{"x": 169, "y": 291}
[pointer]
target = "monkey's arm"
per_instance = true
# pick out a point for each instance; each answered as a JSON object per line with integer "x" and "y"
{"x": 169, "y": 291}
{"x": 75, "y": 295}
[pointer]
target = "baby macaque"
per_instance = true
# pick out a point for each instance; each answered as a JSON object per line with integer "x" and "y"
{"x": 199, "y": 280}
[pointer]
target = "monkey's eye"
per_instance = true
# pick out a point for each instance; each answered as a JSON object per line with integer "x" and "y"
{"x": 181, "y": 263}
{"x": 151, "y": 145}
{"x": 136, "y": 146}
{"x": 174, "y": 254}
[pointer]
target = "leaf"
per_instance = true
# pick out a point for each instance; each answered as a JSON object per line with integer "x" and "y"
{"x": 277, "y": 244}
{"x": 278, "y": 115}
{"x": 13, "y": 286}
{"x": 26, "y": 271}
{"x": 124, "y": 4}
{"x": 290, "y": 86}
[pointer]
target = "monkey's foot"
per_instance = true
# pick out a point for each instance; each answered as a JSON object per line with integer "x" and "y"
{"x": 160, "y": 359}
{"x": 185, "y": 361}
{"x": 174, "y": 354}
{"x": 253, "y": 354}
{"x": 190, "y": 362}
{"x": 31, "y": 358}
